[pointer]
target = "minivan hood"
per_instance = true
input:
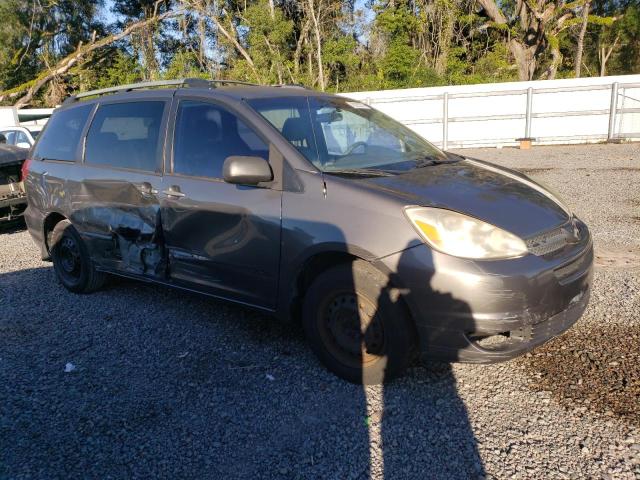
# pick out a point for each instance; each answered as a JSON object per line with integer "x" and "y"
{"x": 502, "y": 197}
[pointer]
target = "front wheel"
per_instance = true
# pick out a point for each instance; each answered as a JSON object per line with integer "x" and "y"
{"x": 71, "y": 260}
{"x": 355, "y": 328}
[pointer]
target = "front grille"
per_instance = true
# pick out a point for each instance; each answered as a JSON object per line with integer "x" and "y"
{"x": 552, "y": 240}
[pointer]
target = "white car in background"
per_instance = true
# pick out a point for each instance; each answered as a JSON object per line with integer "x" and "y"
{"x": 21, "y": 136}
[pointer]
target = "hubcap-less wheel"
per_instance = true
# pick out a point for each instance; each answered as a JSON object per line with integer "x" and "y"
{"x": 351, "y": 329}
{"x": 70, "y": 261}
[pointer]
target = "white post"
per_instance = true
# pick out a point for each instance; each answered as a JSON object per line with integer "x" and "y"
{"x": 613, "y": 110}
{"x": 445, "y": 120}
{"x": 527, "y": 126}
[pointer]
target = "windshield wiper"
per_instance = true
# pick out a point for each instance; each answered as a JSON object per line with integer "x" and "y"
{"x": 429, "y": 161}
{"x": 361, "y": 172}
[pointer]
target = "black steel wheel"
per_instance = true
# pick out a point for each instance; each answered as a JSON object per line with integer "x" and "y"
{"x": 350, "y": 329}
{"x": 354, "y": 328}
{"x": 71, "y": 261}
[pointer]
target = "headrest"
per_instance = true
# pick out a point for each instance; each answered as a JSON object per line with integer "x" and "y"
{"x": 205, "y": 123}
{"x": 296, "y": 129}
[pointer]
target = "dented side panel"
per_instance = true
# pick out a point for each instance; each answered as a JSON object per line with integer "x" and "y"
{"x": 118, "y": 215}
{"x": 224, "y": 239}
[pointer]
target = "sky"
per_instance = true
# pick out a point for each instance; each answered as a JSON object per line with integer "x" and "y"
{"x": 109, "y": 17}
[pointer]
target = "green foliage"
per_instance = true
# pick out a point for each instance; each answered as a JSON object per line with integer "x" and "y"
{"x": 184, "y": 65}
{"x": 268, "y": 39}
{"x": 395, "y": 44}
{"x": 492, "y": 66}
{"x": 124, "y": 69}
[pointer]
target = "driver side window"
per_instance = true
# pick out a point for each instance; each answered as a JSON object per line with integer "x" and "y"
{"x": 206, "y": 134}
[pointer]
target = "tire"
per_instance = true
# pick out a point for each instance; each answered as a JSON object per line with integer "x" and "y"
{"x": 340, "y": 304}
{"x": 71, "y": 261}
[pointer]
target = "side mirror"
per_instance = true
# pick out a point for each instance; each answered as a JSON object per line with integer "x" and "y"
{"x": 246, "y": 170}
{"x": 23, "y": 145}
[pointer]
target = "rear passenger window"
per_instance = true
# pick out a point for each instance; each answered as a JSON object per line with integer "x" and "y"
{"x": 60, "y": 138}
{"x": 206, "y": 134}
{"x": 125, "y": 135}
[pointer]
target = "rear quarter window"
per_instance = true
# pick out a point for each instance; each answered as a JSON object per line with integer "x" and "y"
{"x": 59, "y": 140}
{"x": 125, "y": 135}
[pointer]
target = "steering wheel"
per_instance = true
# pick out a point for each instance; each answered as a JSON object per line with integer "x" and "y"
{"x": 354, "y": 146}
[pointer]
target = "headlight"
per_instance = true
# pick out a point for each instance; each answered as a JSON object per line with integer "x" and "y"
{"x": 463, "y": 236}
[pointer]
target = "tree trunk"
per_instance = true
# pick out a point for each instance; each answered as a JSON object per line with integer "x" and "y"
{"x": 298, "y": 53}
{"x": 444, "y": 39}
{"x": 525, "y": 59}
{"x": 148, "y": 46}
{"x": 603, "y": 55}
{"x": 202, "y": 33}
{"x": 552, "y": 69}
{"x": 318, "y": 36}
{"x": 580, "y": 44}
{"x": 234, "y": 41}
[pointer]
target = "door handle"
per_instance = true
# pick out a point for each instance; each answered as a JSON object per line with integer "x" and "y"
{"x": 146, "y": 189}
{"x": 173, "y": 191}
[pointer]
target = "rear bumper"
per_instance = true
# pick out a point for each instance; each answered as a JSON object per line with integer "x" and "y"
{"x": 491, "y": 311}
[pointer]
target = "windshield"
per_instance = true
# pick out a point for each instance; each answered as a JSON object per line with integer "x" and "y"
{"x": 338, "y": 134}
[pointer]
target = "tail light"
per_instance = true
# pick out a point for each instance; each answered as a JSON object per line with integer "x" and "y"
{"x": 24, "y": 171}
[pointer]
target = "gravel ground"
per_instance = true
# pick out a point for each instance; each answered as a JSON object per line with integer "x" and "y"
{"x": 170, "y": 385}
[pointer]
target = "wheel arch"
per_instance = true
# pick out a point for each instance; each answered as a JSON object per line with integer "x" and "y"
{"x": 317, "y": 262}
{"x": 303, "y": 276}
{"x": 48, "y": 225}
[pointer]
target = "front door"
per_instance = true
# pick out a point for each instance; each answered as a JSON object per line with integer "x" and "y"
{"x": 222, "y": 239}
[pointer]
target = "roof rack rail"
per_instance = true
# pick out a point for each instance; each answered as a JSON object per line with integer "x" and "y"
{"x": 290, "y": 85}
{"x": 187, "y": 82}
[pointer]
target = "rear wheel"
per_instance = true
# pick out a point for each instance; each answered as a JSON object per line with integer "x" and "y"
{"x": 71, "y": 260}
{"x": 354, "y": 327}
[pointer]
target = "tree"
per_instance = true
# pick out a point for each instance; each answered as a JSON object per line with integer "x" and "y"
{"x": 531, "y": 30}
{"x": 35, "y": 35}
{"x": 26, "y": 92}
{"x": 52, "y": 48}
{"x": 145, "y": 40}
{"x": 580, "y": 44}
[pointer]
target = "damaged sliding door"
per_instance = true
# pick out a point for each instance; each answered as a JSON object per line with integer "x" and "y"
{"x": 116, "y": 204}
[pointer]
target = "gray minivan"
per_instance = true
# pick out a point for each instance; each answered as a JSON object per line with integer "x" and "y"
{"x": 315, "y": 208}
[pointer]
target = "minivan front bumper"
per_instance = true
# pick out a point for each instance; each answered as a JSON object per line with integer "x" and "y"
{"x": 491, "y": 311}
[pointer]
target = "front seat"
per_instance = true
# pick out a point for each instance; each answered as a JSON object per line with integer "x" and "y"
{"x": 298, "y": 131}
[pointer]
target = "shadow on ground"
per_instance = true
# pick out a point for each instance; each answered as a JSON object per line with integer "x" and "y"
{"x": 168, "y": 384}
{"x": 12, "y": 226}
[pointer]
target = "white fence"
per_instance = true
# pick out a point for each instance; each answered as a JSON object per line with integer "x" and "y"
{"x": 497, "y": 114}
